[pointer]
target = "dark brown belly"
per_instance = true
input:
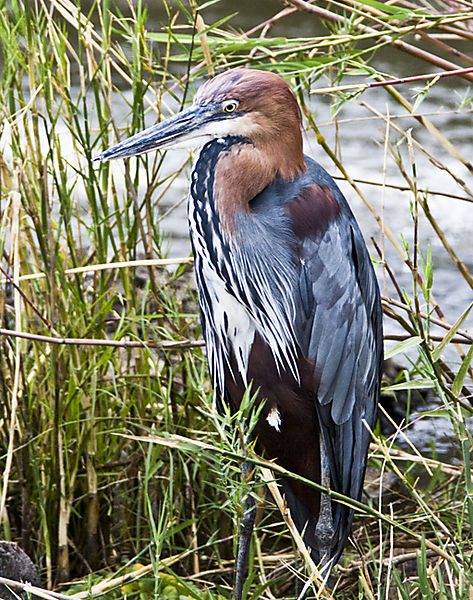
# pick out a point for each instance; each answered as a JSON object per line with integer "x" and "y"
{"x": 293, "y": 441}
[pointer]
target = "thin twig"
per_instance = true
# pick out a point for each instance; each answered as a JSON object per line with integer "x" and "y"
{"x": 460, "y": 332}
{"x": 32, "y": 589}
{"x": 373, "y": 84}
{"x": 405, "y": 188}
{"x": 61, "y": 341}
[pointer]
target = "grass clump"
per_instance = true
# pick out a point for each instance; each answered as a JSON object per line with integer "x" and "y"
{"x": 111, "y": 455}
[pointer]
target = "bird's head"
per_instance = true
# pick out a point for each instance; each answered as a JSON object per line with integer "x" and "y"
{"x": 257, "y": 106}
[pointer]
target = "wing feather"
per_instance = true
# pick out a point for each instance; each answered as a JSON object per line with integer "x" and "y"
{"x": 345, "y": 341}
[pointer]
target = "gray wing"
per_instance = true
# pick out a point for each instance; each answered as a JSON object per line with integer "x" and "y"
{"x": 340, "y": 329}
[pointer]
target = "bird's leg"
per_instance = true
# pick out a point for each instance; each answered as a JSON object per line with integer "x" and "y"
{"x": 244, "y": 539}
{"x": 324, "y": 530}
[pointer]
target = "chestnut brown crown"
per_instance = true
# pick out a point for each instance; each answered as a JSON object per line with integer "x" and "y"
{"x": 263, "y": 109}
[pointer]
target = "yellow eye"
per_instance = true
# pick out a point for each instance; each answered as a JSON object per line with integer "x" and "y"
{"x": 230, "y": 106}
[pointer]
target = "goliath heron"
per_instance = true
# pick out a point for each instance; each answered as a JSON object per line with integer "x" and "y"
{"x": 287, "y": 294}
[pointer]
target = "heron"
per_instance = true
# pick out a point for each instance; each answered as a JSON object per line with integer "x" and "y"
{"x": 288, "y": 298}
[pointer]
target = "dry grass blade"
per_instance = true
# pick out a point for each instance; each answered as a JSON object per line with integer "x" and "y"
{"x": 27, "y": 588}
{"x": 150, "y": 262}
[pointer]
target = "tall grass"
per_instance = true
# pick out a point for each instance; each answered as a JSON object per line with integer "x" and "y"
{"x": 114, "y": 462}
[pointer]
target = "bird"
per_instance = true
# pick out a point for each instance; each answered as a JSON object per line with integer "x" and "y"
{"x": 288, "y": 298}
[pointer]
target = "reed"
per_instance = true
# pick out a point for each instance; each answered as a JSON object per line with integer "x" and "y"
{"x": 116, "y": 470}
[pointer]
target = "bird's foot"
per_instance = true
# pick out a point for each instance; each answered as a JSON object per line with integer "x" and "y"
{"x": 324, "y": 530}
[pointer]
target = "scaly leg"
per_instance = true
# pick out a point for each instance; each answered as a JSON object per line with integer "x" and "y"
{"x": 324, "y": 531}
{"x": 244, "y": 539}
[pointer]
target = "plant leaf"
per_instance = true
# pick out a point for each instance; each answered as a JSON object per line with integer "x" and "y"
{"x": 403, "y": 346}
{"x": 414, "y": 384}
{"x": 440, "y": 348}
{"x": 457, "y": 384}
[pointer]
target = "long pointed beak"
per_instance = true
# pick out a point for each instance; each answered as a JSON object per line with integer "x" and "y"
{"x": 177, "y": 131}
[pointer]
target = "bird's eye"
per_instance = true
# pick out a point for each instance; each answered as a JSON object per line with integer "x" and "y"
{"x": 230, "y": 106}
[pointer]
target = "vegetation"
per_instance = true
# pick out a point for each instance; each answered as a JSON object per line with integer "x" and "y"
{"x": 113, "y": 460}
